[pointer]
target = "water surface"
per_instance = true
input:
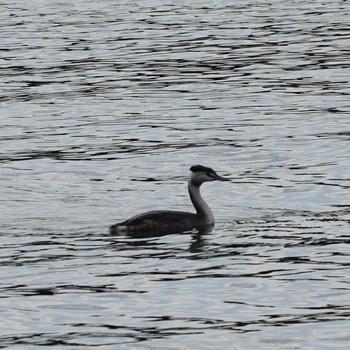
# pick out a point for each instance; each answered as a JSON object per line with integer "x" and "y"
{"x": 104, "y": 107}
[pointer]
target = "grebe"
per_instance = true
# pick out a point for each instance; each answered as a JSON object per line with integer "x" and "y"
{"x": 169, "y": 220}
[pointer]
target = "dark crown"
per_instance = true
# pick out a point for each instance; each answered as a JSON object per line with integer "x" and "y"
{"x": 204, "y": 169}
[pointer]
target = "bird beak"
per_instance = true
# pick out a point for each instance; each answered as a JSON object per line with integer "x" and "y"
{"x": 219, "y": 178}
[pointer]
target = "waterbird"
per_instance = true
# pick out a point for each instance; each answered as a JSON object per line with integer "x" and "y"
{"x": 170, "y": 220}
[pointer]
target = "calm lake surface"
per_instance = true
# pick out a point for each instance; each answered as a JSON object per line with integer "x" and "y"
{"x": 105, "y": 105}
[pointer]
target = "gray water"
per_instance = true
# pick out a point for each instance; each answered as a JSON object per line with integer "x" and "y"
{"x": 104, "y": 107}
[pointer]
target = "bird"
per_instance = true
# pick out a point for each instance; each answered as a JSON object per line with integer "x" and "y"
{"x": 165, "y": 221}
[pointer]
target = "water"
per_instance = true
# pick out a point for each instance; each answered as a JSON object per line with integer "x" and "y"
{"x": 104, "y": 107}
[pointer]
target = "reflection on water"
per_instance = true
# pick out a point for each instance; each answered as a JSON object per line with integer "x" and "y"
{"x": 104, "y": 107}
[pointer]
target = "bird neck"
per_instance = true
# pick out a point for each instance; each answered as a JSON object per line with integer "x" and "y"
{"x": 202, "y": 208}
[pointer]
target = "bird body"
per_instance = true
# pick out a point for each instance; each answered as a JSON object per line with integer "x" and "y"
{"x": 170, "y": 220}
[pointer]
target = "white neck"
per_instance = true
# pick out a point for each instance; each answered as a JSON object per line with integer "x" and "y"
{"x": 202, "y": 208}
